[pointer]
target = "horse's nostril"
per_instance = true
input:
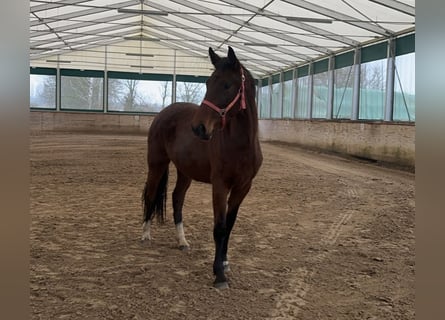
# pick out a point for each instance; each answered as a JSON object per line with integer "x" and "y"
{"x": 201, "y": 129}
{"x": 201, "y": 132}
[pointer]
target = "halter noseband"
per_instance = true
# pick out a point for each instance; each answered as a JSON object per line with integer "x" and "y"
{"x": 223, "y": 111}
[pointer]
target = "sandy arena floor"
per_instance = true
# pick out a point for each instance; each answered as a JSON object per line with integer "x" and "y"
{"x": 318, "y": 237}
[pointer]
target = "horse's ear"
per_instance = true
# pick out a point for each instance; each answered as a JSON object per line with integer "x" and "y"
{"x": 233, "y": 60}
{"x": 213, "y": 56}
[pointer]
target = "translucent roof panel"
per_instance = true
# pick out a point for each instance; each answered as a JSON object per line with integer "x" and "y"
{"x": 173, "y": 36}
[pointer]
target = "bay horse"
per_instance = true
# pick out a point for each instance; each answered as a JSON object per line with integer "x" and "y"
{"x": 216, "y": 143}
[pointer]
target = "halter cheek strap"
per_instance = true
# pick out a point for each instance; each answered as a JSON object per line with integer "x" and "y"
{"x": 223, "y": 111}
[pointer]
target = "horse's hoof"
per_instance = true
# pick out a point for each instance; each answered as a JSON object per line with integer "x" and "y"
{"x": 184, "y": 248}
{"x": 221, "y": 285}
{"x": 145, "y": 238}
{"x": 145, "y": 243}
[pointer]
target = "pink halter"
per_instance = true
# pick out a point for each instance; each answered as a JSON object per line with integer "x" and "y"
{"x": 223, "y": 111}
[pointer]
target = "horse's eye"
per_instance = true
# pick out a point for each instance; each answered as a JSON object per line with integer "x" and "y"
{"x": 227, "y": 85}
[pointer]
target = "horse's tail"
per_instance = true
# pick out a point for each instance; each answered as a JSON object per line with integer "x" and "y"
{"x": 157, "y": 206}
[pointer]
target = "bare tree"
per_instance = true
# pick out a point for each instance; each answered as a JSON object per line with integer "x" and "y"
{"x": 344, "y": 77}
{"x": 115, "y": 92}
{"x": 130, "y": 99}
{"x": 48, "y": 92}
{"x": 190, "y": 92}
{"x": 373, "y": 76}
{"x": 82, "y": 92}
{"x": 165, "y": 88}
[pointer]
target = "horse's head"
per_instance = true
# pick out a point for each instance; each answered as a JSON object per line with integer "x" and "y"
{"x": 225, "y": 92}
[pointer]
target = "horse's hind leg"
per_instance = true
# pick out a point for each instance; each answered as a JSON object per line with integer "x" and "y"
{"x": 154, "y": 195}
{"x": 146, "y": 231}
{"x": 182, "y": 184}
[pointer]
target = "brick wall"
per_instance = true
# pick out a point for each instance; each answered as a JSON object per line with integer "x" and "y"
{"x": 380, "y": 141}
{"x": 82, "y": 121}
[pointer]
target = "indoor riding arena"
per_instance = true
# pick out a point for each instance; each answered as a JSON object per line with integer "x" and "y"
{"x": 327, "y": 228}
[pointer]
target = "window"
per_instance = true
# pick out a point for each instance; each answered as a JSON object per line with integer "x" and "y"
{"x": 135, "y": 95}
{"x": 288, "y": 110}
{"x": 275, "y": 96}
{"x": 373, "y": 90}
{"x": 190, "y": 88}
{"x": 320, "y": 90}
{"x": 81, "y": 89}
{"x": 343, "y": 92}
{"x": 265, "y": 100}
{"x": 404, "y": 88}
{"x": 301, "y": 93}
{"x": 302, "y": 97}
{"x": 373, "y": 81}
{"x": 193, "y": 92}
{"x": 42, "y": 91}
{"x": 320, "y": 96}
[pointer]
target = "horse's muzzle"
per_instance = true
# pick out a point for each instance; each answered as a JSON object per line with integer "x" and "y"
{"x": 201, "y": 132}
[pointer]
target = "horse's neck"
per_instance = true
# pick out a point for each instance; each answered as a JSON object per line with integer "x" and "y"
{"x": 245, "y": 125}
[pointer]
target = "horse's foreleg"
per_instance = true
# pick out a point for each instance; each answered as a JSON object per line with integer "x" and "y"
{"x": 182, "y": 184}
{"x": 219, "y": 233}
{"x": 231, "y": 218}
{"x": 237, "y": 195}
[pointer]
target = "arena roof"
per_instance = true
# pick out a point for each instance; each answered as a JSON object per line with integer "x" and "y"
{"x": 173, "y": 36}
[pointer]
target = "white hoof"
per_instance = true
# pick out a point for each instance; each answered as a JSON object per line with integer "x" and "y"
{"x": 146, "y": 237}
{"x": 182, "y": 242}
{"x": 146, "y": 231}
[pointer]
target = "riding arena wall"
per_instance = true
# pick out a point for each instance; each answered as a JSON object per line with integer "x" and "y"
{"x": 385, "y": 142}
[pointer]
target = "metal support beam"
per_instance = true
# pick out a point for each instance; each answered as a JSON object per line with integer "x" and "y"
{"x": 390, "y": 75}
{"x": 105, "y": 97}
{"x": 174, "y": 78}
{"x": 258, "y": 94}
{"x": 337, "y": 15}
{"x": 201, "y": 8}
{"x": 311, "y": 90}
{"x": 82, "y": 13}
{"x": 58, "y": 4}
{"x": 331, "y": 80}
{"x": 356, "y": 87}
{"x": 58, "y": 84}
{"x": 280, "y": 95}
{"x": 301, "y": 25}
{"x": 269, "y": 97}
{"x": 397, "y": 5}
{"x": 294, "y": 92}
